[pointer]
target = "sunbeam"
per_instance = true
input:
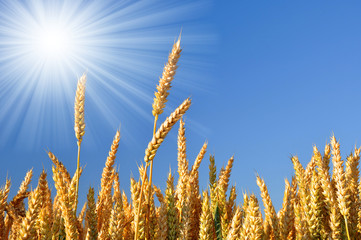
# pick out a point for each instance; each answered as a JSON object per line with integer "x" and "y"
{"x": 46, "y": 45}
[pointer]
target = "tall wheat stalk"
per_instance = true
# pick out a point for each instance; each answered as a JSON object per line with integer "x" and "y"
{"x": 79, "y": 124}
{"x": 158, "y": 108}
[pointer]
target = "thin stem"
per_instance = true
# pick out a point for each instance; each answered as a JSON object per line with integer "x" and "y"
{"x": 348, "y": 235}
{"x": 151, "y": 174}
{"x": 140, "y": 202}
{"x": 142, "y": 188}
{"x": 77, "y": 176}
{"x": 155, "y": 124}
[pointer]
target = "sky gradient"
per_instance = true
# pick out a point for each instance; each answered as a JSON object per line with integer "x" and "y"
{"x": 268, "y": 80}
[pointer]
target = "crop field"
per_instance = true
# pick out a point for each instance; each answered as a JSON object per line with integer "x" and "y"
{"x": 321, "y": 201}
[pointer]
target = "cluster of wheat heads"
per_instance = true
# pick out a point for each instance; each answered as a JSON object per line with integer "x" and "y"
{"x": 316, "y": 204}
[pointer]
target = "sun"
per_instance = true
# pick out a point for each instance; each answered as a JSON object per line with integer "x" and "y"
{"x": 52, "y": 42}
{"x": 46, "y": 45}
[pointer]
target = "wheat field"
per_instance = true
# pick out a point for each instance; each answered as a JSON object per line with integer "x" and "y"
{"x": 319, "y": 202}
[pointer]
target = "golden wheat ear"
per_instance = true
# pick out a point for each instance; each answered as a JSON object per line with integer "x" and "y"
{"x": 165, "y": 81}
{"x": 206, "y": 229}
{"x": 79, "y": 124}
{"x": 164, "y": 129}
{"x": 270, "y": 213}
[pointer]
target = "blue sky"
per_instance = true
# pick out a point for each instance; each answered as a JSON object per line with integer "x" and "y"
{"x": 267, "y": 79}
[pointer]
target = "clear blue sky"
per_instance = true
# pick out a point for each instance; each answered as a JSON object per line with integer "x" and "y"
{"x": 268, "y": 79}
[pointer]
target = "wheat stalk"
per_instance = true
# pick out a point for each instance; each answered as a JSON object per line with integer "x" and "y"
{"x": 79, "y": 123}
{"x": 104, "y": 199}
{"x": 182, "y": 169}
{"x": 27, "y": 230}
{"x": 4, "y": 193}
{"x": 206, "y": 221}
{"x": 165, "y": 81}
{"x": 91, "y": 217}
{"x": 164, "y": 129}
{"x": 270, "y": 213}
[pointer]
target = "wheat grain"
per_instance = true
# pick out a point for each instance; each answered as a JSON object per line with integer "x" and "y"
{"x": 236, "y": 226}
{"x": 164, "y": 129}
{"x": 27, "y": 229}
{"x": 4, "y": 193}
{"x": 103, "y": 207}
{"x": 91, "y": 217}
{"x": 163, "y": 221}
{"x": 182, "y": 169}
{"x": 316, "y": 220}
{"x": 61, "y": 167}
{"x": 167, "y": 77}
{"x": 286, "y": 218}
{"x": 68, "y": 212}
{"x": 199, "y": 158}
{"x": 270, "y": 213}
{"x": 206, "y": 221}
{"x": 172, "y": 213}
{"x": 79, "y": 124}
{"x": 45, "y": 218}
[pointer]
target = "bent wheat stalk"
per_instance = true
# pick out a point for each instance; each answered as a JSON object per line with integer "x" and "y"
{"x": 154, "y": 144}
{"x": 164, "y": 129}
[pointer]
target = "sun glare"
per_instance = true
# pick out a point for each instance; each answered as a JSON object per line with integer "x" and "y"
{"x": 54, "y": 42}
{"x": 46, "y": 45}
